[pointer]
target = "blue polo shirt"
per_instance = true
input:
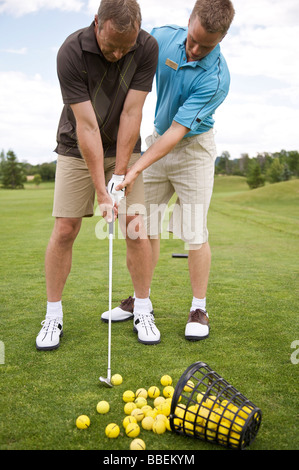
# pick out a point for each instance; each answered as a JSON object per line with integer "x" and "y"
{"x": 187, "y": 92}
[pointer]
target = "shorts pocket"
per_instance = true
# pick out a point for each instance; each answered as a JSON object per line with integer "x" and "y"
{"x": 207, "y": 142}
{"x": 149, "y": 141}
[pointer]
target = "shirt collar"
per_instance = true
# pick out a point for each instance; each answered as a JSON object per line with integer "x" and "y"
{"x": 88, "y": 40}
{"x": 204, "y": 63}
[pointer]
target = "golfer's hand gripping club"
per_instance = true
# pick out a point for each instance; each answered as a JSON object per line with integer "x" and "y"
{"x": 115, "y": 195}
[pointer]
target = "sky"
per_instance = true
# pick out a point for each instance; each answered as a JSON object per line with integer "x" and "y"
{"x": 260, "y": 114}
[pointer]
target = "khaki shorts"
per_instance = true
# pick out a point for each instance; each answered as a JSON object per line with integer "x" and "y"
{"x": 188, "y": 171}
{"x": 74, "y": 194}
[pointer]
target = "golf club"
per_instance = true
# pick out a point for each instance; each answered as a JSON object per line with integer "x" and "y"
{"x": 179, "y": 255}
{"x": 107, "y": 380}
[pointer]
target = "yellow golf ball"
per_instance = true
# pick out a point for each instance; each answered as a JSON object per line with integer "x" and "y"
{"x": 162, "y": 417}
{"x": 168, "y": 427}
{"x": 146, "y": 408}
{"x": 168, "y": 391}
{"x": 129, "y": 407}
{"x": 137, "y": 444}
{"x": 116, "y": 379}
{"x": 112, "y": 430}
{"x": 147, "y": 423}
{"x": 153, "y": 392}
{"x": 133, "y": 430}
{"x": 103, "y": 407}
{"x": 138, "y": 414}
{"x": 82, "y": 422}
{"x": 159, "y": 426}
{"x": 158, "y": 401}
{"x": 140, "y": 402}
{"x": 189, "y": 386}
{"x": 245, "y": 411}
{"x": 141, "y": 392}
{"x": 180, "y": 410}
{"x": 128, "y": 396}
{"x": 151, "y": 413}
{"x": 129, "y": 419}
{"x": 163, "y": 408}
{"x": 166, "y": 380}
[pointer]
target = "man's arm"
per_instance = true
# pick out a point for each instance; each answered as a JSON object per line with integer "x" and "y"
{"x": 90, "y": 143}
{"x": 159, "y": 149}
{"x": 129, "y": 129}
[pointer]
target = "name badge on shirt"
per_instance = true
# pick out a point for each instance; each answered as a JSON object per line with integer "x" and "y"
{"x": 173, "y": 65}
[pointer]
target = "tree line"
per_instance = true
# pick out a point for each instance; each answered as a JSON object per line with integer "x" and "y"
{"x": 265, "y": 167}
{"x": 13, "y": 174}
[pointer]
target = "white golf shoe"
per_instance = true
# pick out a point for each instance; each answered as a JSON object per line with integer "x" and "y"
{"x": 49, "y": 336}
{"x": 197, "y": 327}
{"x": 144, "y": 326}
{"x": 123, "y": 312}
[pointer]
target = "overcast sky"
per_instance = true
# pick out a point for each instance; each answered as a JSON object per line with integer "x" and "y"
{"x": 261, "y": 113}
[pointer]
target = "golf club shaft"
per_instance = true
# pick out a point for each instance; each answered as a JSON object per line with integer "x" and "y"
{"x": 110, "y": 297}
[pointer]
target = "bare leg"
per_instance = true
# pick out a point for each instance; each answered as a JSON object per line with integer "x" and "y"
{"x": 155, "y": 246}
{"x": 59, "y": 256}
{"x": 139, "y": 256}
{"x": 199, "y": 269}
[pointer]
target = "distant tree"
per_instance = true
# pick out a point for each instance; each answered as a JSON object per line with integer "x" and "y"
{"x": 293, "y": 162}
{"x": 286, "y": 174}
{"x": 12, "y": 173}
{"x": 37, "y": 179}
{"x": 2, "y": 163}
{"x": 275, "y": 172}
{"x": 244, "y": 162}
{"x": 255, "y": 179}
{"x": 224, "y": 164}
{"x": 265, "y": 160}
{"x": 47, "y": 171}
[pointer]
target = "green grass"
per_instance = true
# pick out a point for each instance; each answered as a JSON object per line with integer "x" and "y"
{"x": 252, "y": 302}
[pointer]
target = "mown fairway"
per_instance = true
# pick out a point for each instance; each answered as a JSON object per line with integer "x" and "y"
{"x": 252, "y": 303}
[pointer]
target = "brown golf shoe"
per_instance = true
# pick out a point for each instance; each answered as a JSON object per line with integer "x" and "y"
{"x": 123, "y": 312}
{"x": 197, "y": 327}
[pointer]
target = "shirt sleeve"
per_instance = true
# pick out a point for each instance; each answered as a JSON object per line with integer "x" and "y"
{"x": 144, "y": 75}
{"x": 200, "y": 105}
{"x": 72, "y": 76}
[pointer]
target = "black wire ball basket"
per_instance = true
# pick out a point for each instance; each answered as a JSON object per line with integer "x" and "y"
{"x": 207, "y": 407}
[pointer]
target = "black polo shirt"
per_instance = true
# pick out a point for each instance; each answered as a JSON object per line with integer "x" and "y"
{"x": 84, "y": 74}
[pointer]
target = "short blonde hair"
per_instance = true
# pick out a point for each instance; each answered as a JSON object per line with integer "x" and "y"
{"x": 215, "y": 16}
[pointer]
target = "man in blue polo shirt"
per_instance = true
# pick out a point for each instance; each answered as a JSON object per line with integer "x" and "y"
{"x": 188, "y": 91}
{"x": 192, "y": 80}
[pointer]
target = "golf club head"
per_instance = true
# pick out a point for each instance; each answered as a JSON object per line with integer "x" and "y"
{"x": 106, "y": 382}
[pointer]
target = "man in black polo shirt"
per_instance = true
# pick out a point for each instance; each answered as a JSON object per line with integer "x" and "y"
{"x": 105, "y": 72}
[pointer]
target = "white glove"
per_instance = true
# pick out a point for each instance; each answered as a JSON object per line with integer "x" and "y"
{"x": 116, "y": 196}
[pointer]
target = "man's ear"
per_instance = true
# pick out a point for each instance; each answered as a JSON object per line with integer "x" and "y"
{"x": 223, "y": 37}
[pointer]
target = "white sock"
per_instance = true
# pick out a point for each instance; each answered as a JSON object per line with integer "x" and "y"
{"x": 198, "y": 303}
{"x": 54, "y": 310}
{"x": 148, "y": 300}
{"x": 142, "y": 305}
